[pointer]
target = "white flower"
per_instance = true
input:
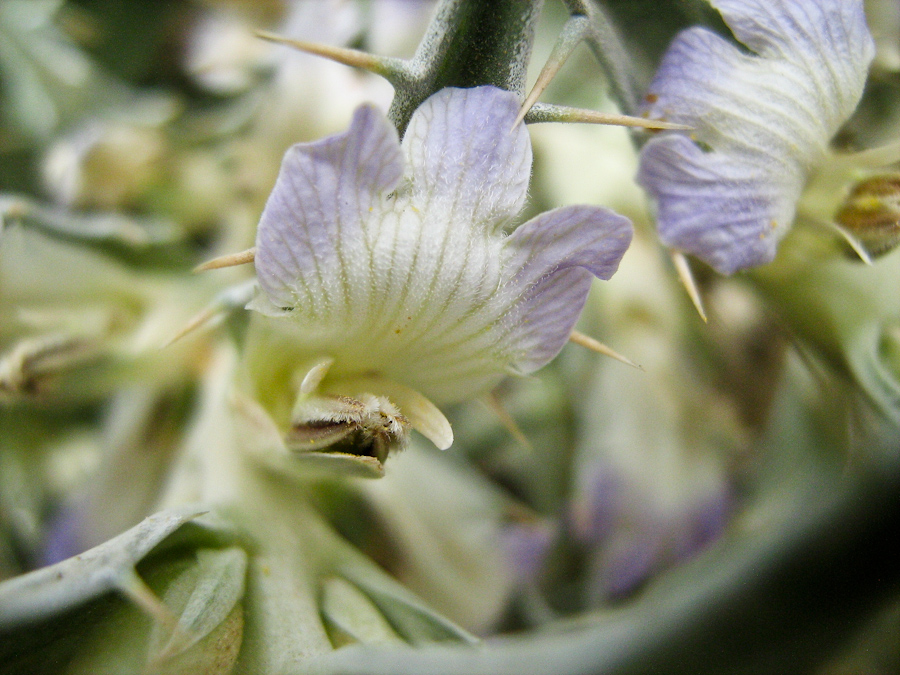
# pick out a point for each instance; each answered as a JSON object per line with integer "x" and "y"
{"x": 386, "y": 270}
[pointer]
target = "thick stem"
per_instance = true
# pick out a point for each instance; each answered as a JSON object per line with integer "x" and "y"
{"x": 469, "y": 43}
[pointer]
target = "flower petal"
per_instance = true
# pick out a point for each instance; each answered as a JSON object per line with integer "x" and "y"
{"x": 553, "y": 258}
{"x": 730, "y": 213}
{"x": 465, "y": 158}
{"x": 314, "y": 216}
{"x": 764, "y": 121}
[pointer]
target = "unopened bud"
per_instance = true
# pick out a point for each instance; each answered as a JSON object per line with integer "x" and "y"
{"x": 30, "y": 363}
{"x": 871, "y": 213}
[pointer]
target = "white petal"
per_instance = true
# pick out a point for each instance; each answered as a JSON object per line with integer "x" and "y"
{"x": 312, "y": 225}
{"x": 315, "y": 375}
{"x": 464, "y": 157}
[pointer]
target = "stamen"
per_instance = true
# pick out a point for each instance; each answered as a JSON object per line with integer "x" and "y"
{"x": 565, "y": 114}
{"x": 690, "y": 284}
{"x": 314, "y": 376}
{"x": 572, "y": 34}
{"x": 424, "y": 416}
{"x": 496, "y": 406}
{"x": 228, "y": 260}
{"x": 387, "y": 67}
{"x": 594, "y": 345}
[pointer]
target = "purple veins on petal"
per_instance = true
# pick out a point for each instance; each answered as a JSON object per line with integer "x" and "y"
{"x": 555, "y": 257}
{"x": 324, "y": 193}
{"x": 392, "y": 258}
{"x": 461, "y": 152}
{"x": 762, "y": 122}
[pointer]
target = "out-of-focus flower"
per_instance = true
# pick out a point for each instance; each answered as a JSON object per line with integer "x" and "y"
{"x": 385, "y": 271}
{"x": 652, "y": 476}
{"x": 105, "y": 166}
{"x": 308, "y": 97}
{"x": 47, "y": 79}
{"x": 762, "y": 121}
{"x": 224, "y": 56}
{"x": 634, "y": 527}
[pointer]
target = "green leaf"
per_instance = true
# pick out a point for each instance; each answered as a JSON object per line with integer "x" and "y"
{"x": 201, "y": 592}
{"x": 351, "y": 616}
{"x": 46, "y": 592}
{"x": 95, "y": 610}
{"x": 410, "y": 617}
{"x": 208, "y": 596}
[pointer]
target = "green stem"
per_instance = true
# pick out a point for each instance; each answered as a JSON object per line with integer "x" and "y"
{"x": 603, "y": 40}
{"x": 469, "y": 43}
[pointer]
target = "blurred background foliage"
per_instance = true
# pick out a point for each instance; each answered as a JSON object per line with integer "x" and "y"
{"x": 730, "y": 508}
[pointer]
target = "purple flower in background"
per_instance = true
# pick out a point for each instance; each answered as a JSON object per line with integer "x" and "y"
{"x": 526, "y": 545}
{"x": 389, "y": 265}
{"x": 762, "y": 122}
{"x": 632, "y": 532}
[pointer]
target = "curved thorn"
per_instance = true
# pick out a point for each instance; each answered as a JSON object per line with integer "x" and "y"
{"x": 569, "y": 38}
{"x": 231, "y": 298}
{"x": 130, "y": 584}
{"x": 387, "y": 67}
{"x": 228, "y": 260}
{"x": 587, "y": 341}
{"x": 496, "y": 406}
{"x": 197, "y": 321}
{"x": 559, "y": 113}
{"x": 854, "y": 242}
{"x": 690, "y": 284}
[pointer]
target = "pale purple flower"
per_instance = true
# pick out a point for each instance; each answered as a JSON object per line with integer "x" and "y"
{"x": 727, "y": 191}
{"x": 631, "y": 534}
{"x": 390, "y": 266}
{"x": 526, "y": 546}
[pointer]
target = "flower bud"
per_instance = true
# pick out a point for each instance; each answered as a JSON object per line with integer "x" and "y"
{"x": 871, "y": 213}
